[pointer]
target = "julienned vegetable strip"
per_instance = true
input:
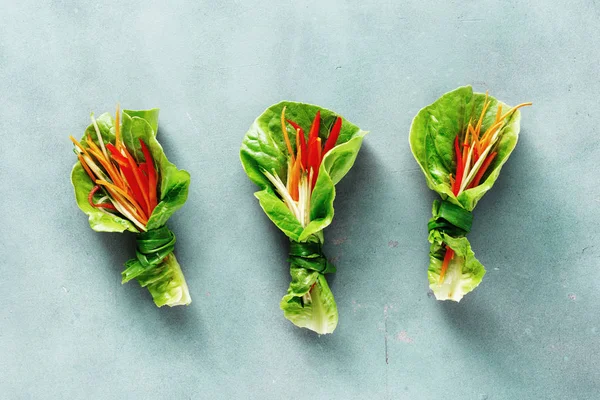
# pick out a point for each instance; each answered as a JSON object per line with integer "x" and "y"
{"x": 127, "y": 186}
{"x": 480, "y": 137}
{"x": 333, "y": 136}
{"x": 151, "y": 172}
{"x": 297, "y": 192}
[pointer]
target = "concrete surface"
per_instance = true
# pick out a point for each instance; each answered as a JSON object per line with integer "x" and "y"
{"x": 531, "y": 330}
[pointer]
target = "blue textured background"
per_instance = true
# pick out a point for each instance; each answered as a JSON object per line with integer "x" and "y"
{"x": 530, "y": 331}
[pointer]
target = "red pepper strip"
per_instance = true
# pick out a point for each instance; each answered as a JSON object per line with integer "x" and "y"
{"x": 459, "y": 167}
{"x": 449, "y": 256}
{"x": 482, "y": 170}
{"x": 319, "y": 152}
{"x": 128, "y": 175}
{"x": 144, "y": 184}
{"x": 303, "y": 146}
{"x": 314, "y": 129}
{"x": 333, "y": 136}
{"x": 314, "y": 160}
{"x": 314, "y": 134}
{"x": 99, "y": 205}
{"x": 133, "y": 185}
{"x": 143, "y": 167}
{"x": 117, "y": 155}
{"x": 152, "y": 180}
{"x": 138, "y": 179}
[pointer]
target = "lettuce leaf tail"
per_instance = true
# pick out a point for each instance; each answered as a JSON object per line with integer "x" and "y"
{"x": 447, "y": 228}
{"x": 309, "y": 303}
{"x": 156, "y": 268}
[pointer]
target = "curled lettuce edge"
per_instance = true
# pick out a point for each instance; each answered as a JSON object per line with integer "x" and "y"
{"x": 169, "y": 287}
{"x": 464, "y": 271}
{"x": 314, "y": 309}
{"x": 431, "y": 134}
{"x": 263, "y": 149}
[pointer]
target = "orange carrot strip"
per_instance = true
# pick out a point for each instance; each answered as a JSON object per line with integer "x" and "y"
{"x": 295, "y": 180}
{"x": 108, "y": 166}
{"x": 482, "y": 170}
{"x": 78, "y": 145}
{"x": 301, "y": 166}
{"x": 299, "y": 147}
{"x": 487, "y": 136}
{"x": 474, "y": 134}
{"x": 285, "y": 136}
{"x": 465, "y": 149}
{"x": 486, "y": 104}
{"x": 303, "y": 143}
{"x": 120, "y": 191}
{"x": 475, "y": 154}
{"x": 118, "y": 157}
{"x": 111, "y": 171}
{"x": 515, "y": 108}
{"x": 85, "y": 166}
{"x": 449, "y": 256}
{"x": 127, "y": 206}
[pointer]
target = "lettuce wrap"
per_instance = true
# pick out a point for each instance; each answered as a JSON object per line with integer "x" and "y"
{"x": 297, "y": 173}
{"x": 124, "y": 182}
{"x": 461, "y": 142}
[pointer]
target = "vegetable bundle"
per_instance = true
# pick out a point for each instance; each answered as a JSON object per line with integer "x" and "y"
{"x": 123, "y": 181}
{"x": 297, "y": 173}
{"x": 461, "y": 142}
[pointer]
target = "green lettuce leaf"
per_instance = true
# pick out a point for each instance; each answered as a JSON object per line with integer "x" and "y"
{"x": 264, "y": 148}
{"x": 165, "y": 281}
{"x": 309, "y": 302}
{"x": 313, "y": 309}
{"x": 432, "y": 135}
{"x": 464, "y": 271}
{"x": 99, "y": 220}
